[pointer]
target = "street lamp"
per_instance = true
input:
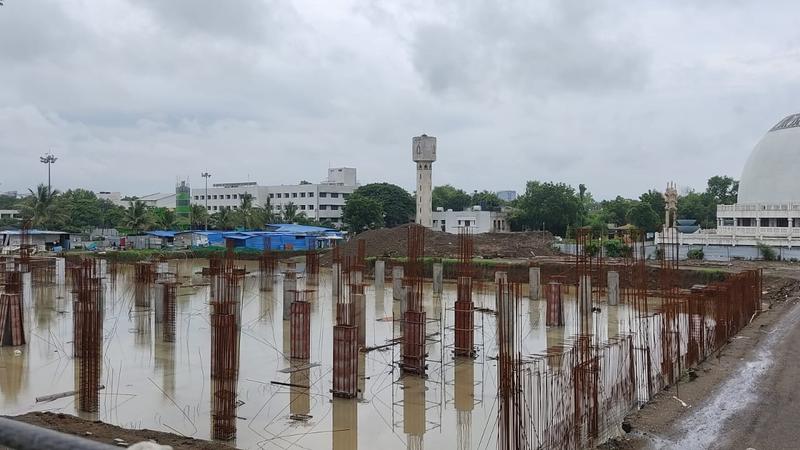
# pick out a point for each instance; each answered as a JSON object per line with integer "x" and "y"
{"x": 206, "y": 175}
{"x": 48, "y": 159}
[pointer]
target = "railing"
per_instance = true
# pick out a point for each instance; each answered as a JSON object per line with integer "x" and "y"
{"x": 23, "y": 436}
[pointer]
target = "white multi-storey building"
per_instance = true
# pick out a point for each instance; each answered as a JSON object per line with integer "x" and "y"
{"x": 320, "y": 201}
{"x": 767, "y": 211}
{"x": 474, "y": 219}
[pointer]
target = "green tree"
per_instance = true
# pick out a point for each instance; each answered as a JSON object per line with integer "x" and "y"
{"x": 223, "y": 219}
{"x": 700, "y": 207}
{"x": 111, "y": 215}
{"x": 488, "y": 201}
{"x": 616, "y": 211}
{"x": 448, "y": 197}
{"x": 656, "y": 201}
{"x": 138, "y": 217}
{"x": 268, "y": 214}
{"x": 42, "y": 209}
{"x": 248, "y": 217}
{"x": 290, "y": 213}
{"x": 642, "y": 216}
{"x": 548, "y": 206}
{"x": 198, "y": 216}
{"x": 723, "y": 189}
{"x": 8, "y": 202}
{"x": 362, "y": 213}
{"x": 165, "y": 218}
{"x": 398, "y": 205}
{"x": 81, "y": 208}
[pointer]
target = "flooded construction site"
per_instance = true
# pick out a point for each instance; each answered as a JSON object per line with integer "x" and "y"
{"x": 361, "y": 352}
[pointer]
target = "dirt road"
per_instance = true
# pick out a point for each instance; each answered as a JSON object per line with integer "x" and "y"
{"x": 744, "y": 398}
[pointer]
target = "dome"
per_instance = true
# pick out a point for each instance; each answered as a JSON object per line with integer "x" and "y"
{"x": 772, "y": 172}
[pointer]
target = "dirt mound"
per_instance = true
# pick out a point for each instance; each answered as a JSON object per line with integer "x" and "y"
{"x": 392, "y": 242}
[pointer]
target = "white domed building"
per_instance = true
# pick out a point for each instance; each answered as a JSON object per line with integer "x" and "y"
{"x": 768, "y": 205}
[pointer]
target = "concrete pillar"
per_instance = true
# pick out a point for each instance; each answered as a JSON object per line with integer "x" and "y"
{"x": 336, "y": 280}
{"x": 158, "y": 303}
{"x": 380, "y": 274}
{"x": 438, "y": 270}
{"x": 397, "y": 283}
{"x": 357, "y": 277}
{"x": 585, "y": 293}
{"x": 534, "y": 283}
{"x": 613, "y": 288}
{"x": 61, "y": 269}
{"x": 27, "y": 289}
{"x": 289, "y": 286}
{"x": 361, "y": 318}
{"x": 498, "y": 276}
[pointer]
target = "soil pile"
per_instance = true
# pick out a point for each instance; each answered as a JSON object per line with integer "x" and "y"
{"x": 392, "y": 242}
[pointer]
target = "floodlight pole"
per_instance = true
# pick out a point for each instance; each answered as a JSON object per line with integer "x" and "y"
{"x": 206, "y": 175}
{"x": 48, "y": 159}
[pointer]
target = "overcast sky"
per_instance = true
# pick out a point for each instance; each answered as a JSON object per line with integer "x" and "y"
{"x": 622, "y": 96}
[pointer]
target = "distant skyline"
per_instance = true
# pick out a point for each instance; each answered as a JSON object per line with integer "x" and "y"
{"x": 621, "y": 96}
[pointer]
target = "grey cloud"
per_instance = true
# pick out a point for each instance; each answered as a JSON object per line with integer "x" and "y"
{"x": 486, "y": 47}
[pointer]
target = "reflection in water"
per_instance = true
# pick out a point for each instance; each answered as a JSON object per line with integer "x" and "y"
{"x": 299, "y": 399}
{"x": 414, "y": 420}
{"x": 345, "y": 423}
{"x": 13, "y": 374}
{"x": 465, "y": 401}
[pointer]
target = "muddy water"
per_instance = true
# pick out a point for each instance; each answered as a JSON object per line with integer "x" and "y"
{"x": 166, "y": 386}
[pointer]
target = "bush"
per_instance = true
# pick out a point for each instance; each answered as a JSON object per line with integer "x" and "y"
{"x": 695, "y": 253}
{"x": 616, "y": 248}
{"x": 767, "y": 253}
{"x": 592, "y": 248}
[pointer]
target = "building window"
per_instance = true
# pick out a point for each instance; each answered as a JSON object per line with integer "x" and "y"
{"x": 334, "y": 195}
{"x": 294, "y": 194}
{"x": 334, "y": 207}
{"x": 215, "y": 207}
{"x": 310, "y": 206}
{"x": 197, "y": 197}
{"x": 271, "y": 195}
{"x": 234, "y": 196}
{"x": 303, "y": 207}
{"x": 345, "y": 195}
{"x": 323, "y": 194}
{"x": 208, "y": 208}
{"x": 235, "y": 207}
{"x": 228, "y": 196}
{"x": 285, "y": 195}
{"x": 310, "y": 194}
{"x": 278, "y": 195}
{"x": 323, "y": 207}
{"x": 303, "y": 194}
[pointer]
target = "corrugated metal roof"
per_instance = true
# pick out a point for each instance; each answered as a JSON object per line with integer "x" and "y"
{"x": 162, "y": 233}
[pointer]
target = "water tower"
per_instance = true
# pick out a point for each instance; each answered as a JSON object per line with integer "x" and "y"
{"x": 423, "y": 149}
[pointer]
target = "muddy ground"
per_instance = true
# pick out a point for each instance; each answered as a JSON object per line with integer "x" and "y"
{"x": 656, "y": 424}
{"x": 392, "y": 242}
{"x": 105, "y": 433}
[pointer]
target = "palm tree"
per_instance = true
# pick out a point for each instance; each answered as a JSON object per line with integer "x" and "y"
{"x": 138, "y": 217}
{"x": 246, "y": 213}
{"x": 290, "y": 214}
{"x": 223, "y": 219}
{"x": 269, "y": 214}
{"x": 166, "y": 219}
{"x": 41, "y": 208}
{"x": 199, "y": 216}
